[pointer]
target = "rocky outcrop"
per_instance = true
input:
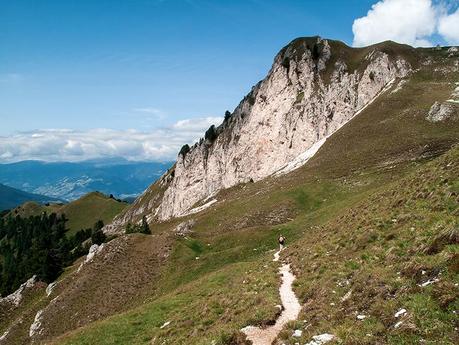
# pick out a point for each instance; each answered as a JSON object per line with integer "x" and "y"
{"x": 16, "y": 297}
{"x": 93, "y": 250}
{"x": 440, "y": 112}
{"x": 314, "y": 87}
{"x": 185, "y": 228}
{"x": 35, "y": 327}
{"x": 117, "y": 275}
{"x": 446, "y": 110}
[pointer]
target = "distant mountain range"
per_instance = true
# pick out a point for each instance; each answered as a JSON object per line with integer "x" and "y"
{"x": 69, "y": 181}
{"x": 12, "y": 197}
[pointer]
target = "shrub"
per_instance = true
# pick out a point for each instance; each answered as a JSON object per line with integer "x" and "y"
{"x": 97, "y": 235}
{"x": 227, "y": 115}
{"x": 130, "y": 228}
{"x": 299, "y": 97}
{"x": 251, "y": 99}
{"x": 211, "y": 134}
{"x": 81, "y": 236}
{"x": 316, "y": 51}
{"x": 372, "y": 75}
{"x": 184, "y": 150}
{"x": 142, "y": 228}
{"x": 285, "y": 62}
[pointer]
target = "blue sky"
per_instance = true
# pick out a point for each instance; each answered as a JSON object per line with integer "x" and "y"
{"x": 146, "y": 65}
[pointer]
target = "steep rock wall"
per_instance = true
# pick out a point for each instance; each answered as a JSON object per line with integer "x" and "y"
{"x": 312, "y": 89}
{"x": 282, "y": 117}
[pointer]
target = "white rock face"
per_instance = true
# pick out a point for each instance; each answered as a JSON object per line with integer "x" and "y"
{"x": 305, "y": 98}
{"x": 440, "y": 112}
{"x": 285, "y": 115}
{"x": 184, "y": 228}
{"x": 301, "y": 159}
{"x": 35, "y": 327}
{"x": 199, "y": 208}
{"x": 50, "y": 288}
{"x": 16, "y": 297}
{"x": 93, "y": 250}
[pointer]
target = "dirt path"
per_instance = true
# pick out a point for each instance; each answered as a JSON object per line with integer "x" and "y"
{"x": 291, "y": 310}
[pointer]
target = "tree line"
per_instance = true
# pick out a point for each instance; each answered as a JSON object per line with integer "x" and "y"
{"x": 39, "y": 245}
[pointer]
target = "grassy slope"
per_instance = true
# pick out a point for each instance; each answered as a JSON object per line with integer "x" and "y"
{"x": 320, "y": 209}
{"x": 18, "y": 320}
{"x": 32, "y": 208}
{"x": 232, "y": 284}
{"x": 380, "y": 252}
{"x": 82, "y": 213}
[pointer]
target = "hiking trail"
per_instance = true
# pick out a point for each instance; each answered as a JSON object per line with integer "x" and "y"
{"x": 290, "y": 312}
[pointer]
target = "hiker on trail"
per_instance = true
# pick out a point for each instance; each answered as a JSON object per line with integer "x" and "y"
{"x": 281, "y": 242}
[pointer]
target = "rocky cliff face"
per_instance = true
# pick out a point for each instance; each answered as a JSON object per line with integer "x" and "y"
{"x": 313, "y": 88}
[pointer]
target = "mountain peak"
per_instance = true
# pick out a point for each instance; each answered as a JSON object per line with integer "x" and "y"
{"x": 313, "y": 88}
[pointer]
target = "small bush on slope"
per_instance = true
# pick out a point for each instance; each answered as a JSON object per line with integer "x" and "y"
{"x": 142, "y": 228}
{"x": 97, "y": 235}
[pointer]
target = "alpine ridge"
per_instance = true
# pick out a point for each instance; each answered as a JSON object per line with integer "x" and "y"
{"x": 314, "y": 87}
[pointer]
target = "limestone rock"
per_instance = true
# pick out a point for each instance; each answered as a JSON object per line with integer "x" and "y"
{"x": 306, "y": 96}
{"x": 184, "y": 228}
{"x": 440, "y": 112}
{"x": 16, "y": 297}
{"x": 35, "y": 327}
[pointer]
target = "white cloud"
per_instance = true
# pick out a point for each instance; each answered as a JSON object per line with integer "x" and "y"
{"x": 404, "y": 21}
{"x": 69, "y": 145}
{"x": 195, "y": 124}
{"x": 150, "y": 113}
{"x": 448, "y": 27}
{"x": 149, "y": 110}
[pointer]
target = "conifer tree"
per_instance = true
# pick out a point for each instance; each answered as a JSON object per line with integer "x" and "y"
{"x": 145, "y": 228}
